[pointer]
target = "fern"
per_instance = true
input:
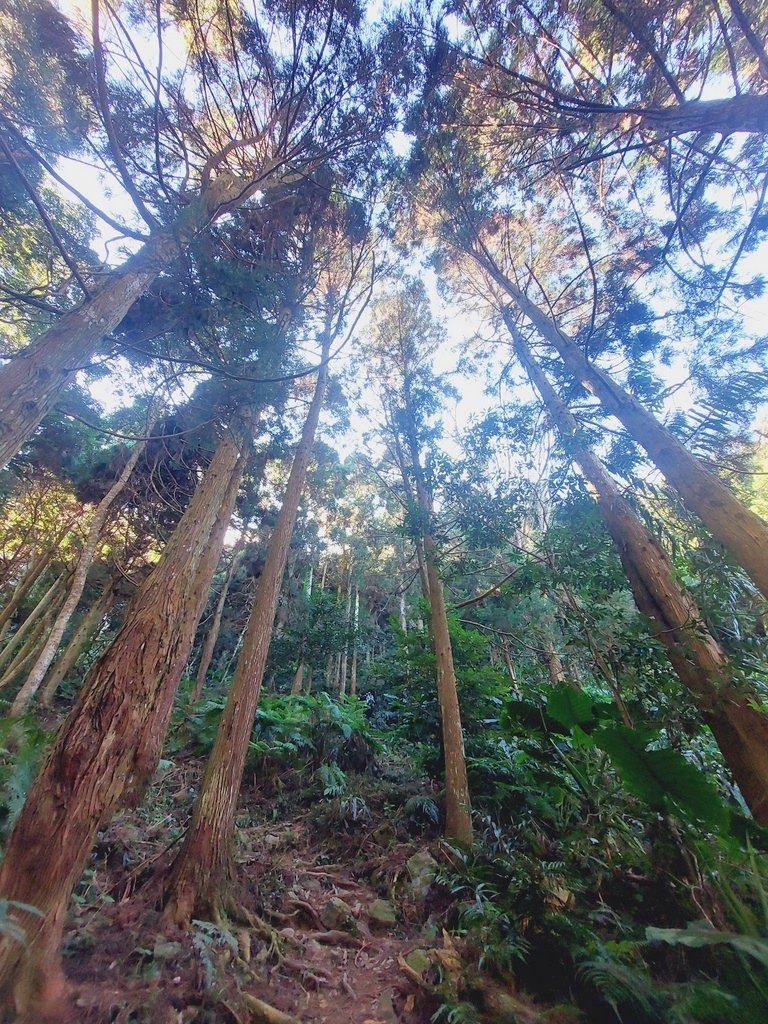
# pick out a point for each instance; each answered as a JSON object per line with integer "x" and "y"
{"x": 205, "y": 940}
{"x": 332, "y": 779}
{"x": 622, "y": 985}
{"x": 11, "y": 928}
{"x": 422, "y": 807}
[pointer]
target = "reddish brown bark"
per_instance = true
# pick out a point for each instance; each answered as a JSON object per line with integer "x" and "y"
{"x": 109, "y": 745}
{"x": 201, "y": 874}
{"x": 738, "y": 721}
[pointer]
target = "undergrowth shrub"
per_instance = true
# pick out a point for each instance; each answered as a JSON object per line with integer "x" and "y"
{"x": 306, "y": 733}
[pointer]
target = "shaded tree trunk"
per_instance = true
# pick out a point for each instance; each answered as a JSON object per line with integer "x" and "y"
{"x": 52, "y": 594}
{"x": 80, "y": 637}
{"x": 298, "y": 679}
{"x": 353, "y": 667}
{"x": 213, "y": 630}
{"x": 203, "y": 870}
{"x": 36, "y": 568}
{"x": 28, "y": 651}
{"x": 738, "y": 721}
{"x": 739, "y": 530}
{"x": 108, "y": 747}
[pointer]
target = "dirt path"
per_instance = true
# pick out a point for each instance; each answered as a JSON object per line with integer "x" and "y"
{"x": 329, "y": 960}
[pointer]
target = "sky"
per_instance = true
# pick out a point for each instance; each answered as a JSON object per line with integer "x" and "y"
{"x": 459, "y": 326}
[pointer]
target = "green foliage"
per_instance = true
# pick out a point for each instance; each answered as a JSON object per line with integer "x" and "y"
{"x": 22, "y": 745}
{"x": 332, "y": 780}
{"x": 314, "y": 733}
{"x": 662, "y": 777}
{"x": 698, "y": 934}
{"x": 8, "y": 926}
{"x": 207, "y": 940}
{"x": 569, "y": 706}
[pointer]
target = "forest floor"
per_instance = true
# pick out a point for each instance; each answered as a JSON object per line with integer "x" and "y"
{"x": 319, "y": 871}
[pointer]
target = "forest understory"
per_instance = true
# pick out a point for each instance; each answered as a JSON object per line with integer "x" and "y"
{"x": 383, "y": 512}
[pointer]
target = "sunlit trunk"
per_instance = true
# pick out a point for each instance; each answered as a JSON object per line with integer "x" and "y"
{"x": 739, "y": 530}
{"x": 31, "y": 382}
{"x": 77, "y": 585}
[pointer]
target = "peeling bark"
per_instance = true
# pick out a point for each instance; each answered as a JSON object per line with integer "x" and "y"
{"x": 203, "y": 869}
{"x": 107, "y": 749}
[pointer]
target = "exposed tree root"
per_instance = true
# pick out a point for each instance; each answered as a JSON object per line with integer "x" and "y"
{"x": 335, "y": 938}
{"x": 263, "y": 1013}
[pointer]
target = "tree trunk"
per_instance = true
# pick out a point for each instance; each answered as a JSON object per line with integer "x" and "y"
{"x": 298, "y": 679}
{"x": 458, "y": 809}
{"x": 747, "y": 112}
{"x": 28, "y": 651}
{"x": 740, "y": 531}
{"x": 36, "y": 568}
{"x": 33, "y": 379}
{"x": 738, "y": 721}
{"x": 213, "y": 630}
{"x": 43, "y": 605}
{"x": 84, "y": 562}
{"x": 203, "y": 869}
{"x": 108, "y": 747}
{"x": 555, "y": 668}
{"x": 347, "y": 623}
{"x": 82, "y": 634}
{"x": 353, "y": 668}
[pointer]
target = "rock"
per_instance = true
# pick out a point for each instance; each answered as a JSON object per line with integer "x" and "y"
{"x": 382, "y": 914}
{"x": 385, "y": 1009}
{"x": 337, "y": 916}
{"x": 167, "y": 950}
{"x": 418, "y": 960}
{"x": 422, "y": 871}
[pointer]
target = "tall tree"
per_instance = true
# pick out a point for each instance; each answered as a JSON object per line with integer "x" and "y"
{"x": 405, "y": 340}
{"x": 203, "y": 871}
{"x": 735, "y": 715}
{"x": 303, "y": 108}
{"x": 108, "y": 747}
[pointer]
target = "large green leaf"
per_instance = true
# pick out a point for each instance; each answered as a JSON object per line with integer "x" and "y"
{"x": 700, "y": 933}
{"x": 662, "y": 777}
{"x": 569, "y": 706}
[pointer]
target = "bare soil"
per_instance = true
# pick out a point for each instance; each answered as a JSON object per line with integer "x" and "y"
{"x": 125, "y": 966}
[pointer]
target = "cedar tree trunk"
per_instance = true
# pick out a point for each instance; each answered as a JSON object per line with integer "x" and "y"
{"x": 739, "y": 530}
{"x": 32, "y": 380}
{"x": 108, "y": 747}
{"x": 213, "y": 630}
{"x": 68, "y": 658}
{"x": 84, "y": 562}
{"x": 737, "y": 720}
{"x": 203, "y": 869}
